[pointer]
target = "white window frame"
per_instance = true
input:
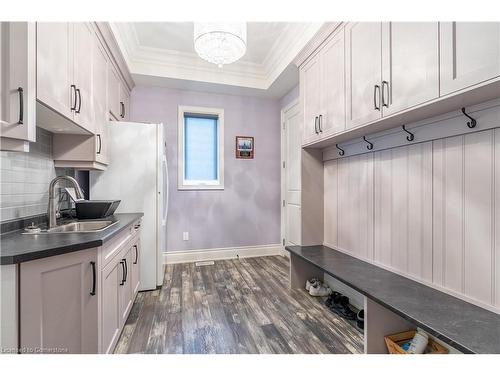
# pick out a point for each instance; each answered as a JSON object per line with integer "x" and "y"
{"x": 182, "y": 184}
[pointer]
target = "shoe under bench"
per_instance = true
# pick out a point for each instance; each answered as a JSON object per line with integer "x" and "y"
{"x": 394, "y": 303}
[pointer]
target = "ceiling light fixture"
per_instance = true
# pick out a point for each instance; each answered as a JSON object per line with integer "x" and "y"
{"x": 220, "y": 43}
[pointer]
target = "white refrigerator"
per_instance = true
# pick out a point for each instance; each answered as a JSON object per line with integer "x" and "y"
{"x": 137, "y": 175}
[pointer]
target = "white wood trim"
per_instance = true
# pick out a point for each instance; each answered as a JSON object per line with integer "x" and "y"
{"x": 284, "y": 110}
{"x": 208, "y": 185}
{"x": 447, "y": 125}
{"x": 327, "y": 29}
{"x": 173, "y": 64}
{"x": 190, "y": 256}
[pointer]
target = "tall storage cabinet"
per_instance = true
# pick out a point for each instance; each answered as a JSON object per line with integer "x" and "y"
{"x": 17, "y": 85}
{"x": 470, "y": 54}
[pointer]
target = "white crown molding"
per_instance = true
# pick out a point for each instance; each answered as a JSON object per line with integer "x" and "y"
{"x": 315, "y": 41}
{"x": 287, "y": 46}
{"x": 142, "y": 60}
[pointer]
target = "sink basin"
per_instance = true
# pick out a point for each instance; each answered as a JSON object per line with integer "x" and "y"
{"x": 82, "y": 226}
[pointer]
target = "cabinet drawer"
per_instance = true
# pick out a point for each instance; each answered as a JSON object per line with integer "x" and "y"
{"x": 113, "y": 247}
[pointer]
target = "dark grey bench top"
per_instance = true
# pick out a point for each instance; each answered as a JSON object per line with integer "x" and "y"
{"x": 464, "y": 326}
{"x": 16, "y": 247}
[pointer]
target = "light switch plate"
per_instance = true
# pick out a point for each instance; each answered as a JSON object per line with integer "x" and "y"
{"x": 185, "y": 236}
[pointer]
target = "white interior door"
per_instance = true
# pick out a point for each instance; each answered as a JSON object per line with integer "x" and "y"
{"x": 132, "y": 177}
{"x": 291, "y": 186}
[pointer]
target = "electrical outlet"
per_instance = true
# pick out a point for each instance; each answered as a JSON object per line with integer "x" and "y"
{"x": 185, "y": 236}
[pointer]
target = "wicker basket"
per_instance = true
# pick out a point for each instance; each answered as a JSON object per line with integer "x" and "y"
{"x": 395, "y": 341}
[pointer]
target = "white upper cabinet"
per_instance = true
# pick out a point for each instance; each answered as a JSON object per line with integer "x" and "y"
{"x": 470, "y": 54}
{"x": 99, "y": 79}
{"x": 363, "y": 72}
{"x": 410, "y": 63}
{"x": 55, "y": 84}
{"x": 17, "y": 84}
{"x": 332, "y": 114}
{"x": 114, "y": 105}
{"x": 84, "y": 40}
{"x": 310, "y": 97}
{"x": 322, "y": 85}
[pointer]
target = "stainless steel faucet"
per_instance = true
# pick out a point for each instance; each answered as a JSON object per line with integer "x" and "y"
{"x": 52, "y": 197}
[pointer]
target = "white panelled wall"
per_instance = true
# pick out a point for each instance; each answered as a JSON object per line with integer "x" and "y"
{"x": 429, "y": 211}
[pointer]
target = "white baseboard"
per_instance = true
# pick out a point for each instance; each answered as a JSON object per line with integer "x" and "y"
{"x": 190, "y": 256}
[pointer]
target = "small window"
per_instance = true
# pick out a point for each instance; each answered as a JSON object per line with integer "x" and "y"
{"x": 201, "y": 148}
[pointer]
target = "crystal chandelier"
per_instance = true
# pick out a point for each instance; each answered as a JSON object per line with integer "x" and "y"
{"x": 220, "y": 43}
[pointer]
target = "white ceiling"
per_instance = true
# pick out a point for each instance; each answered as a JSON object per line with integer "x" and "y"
{"x": 162, "y": 53}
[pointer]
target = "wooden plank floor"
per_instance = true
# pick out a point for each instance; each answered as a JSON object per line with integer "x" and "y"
{"x": 234, "y": 306}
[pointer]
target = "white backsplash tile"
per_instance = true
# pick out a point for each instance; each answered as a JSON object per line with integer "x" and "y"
{"x": 25, "y": 178}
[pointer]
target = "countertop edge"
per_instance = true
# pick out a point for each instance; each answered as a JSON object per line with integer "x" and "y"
{"x": 70, "y": 248}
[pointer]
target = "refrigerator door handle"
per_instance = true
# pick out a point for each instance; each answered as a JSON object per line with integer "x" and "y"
{"x": 165, "y": 188}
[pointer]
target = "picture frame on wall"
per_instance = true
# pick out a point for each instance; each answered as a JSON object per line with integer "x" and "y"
{"x": 244, "y": 147}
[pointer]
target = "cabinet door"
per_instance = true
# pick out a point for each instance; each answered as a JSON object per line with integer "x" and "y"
{"x": 100, "y": 72}
{"x": 18, "y": 80}
{"x": 410, "y": 61}
{"x": 363, "y": 72}
{"x": 84, "y": 40}
{"x": 125, "y": 288}
{"x": 470, "y": 54}
{"x": 136, "y": 266}
{"x": 58, "y": 313}
{"x": 111, "y": 277}
{"x": 333, "y": 86}
{"x": 310, "y": 75}
{"x": 55, "y": 66}
{"x": 114, "y": 92}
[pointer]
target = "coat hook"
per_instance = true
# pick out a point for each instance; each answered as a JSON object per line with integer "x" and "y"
{"x": 472, "y": 123}
{"x": 410, "y": 136}
{"x": 341, "y": 152}
{"x": 370, "y": 145}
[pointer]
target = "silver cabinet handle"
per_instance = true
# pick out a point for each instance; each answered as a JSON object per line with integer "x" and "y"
{"x": 375, "y": 89}
{"x": 316, "y": 125}
{"x": 384, "y": 103}
{"x": 73, "y": 89}
{"x": 320, "y": 122}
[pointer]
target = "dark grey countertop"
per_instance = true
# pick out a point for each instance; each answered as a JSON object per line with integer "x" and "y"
{"x": 465, "y": 326}
{"x": 16, "y": 247}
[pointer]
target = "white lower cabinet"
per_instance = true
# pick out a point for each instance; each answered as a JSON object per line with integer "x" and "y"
{"x": 59, "y": 304}
{"x": 79, "y": 302}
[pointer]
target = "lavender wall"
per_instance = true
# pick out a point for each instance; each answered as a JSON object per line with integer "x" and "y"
{"x": 247, "y": 211}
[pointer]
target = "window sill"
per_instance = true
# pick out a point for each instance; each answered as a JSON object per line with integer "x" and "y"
{"x": 201, "y": 187}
